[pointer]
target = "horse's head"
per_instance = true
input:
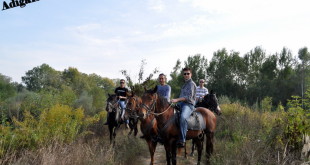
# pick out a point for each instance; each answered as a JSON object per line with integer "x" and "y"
{"x": 111, "y": 102}
{"x": 133, "y": 103}
{"x": 210, "y": 101}
{"x": 148, "y": 102}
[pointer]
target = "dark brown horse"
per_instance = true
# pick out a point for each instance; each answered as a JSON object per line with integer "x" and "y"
{"x": 168, "y": 129}
{"x": 148, "y": 125}
{"x": 112, "y": 108}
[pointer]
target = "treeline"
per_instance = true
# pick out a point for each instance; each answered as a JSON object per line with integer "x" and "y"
{"x": 44, "y": 87}
{"x": 252, "y": 77}
{"x": 249, "y": 79}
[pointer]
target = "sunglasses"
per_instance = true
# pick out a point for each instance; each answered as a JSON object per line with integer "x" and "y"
{"x": 186, "y": 74}
{"x": 201, "y": 82}
{"x": 122, "y": 82}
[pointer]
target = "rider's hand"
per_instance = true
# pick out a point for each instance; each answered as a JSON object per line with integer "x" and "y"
{"x": 174, "y": 100}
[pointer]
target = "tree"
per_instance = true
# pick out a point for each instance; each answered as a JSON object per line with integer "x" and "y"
{"x": 304, "y": 56}
{"x": 42, "y": 77}
{"x": 7, "y": 88}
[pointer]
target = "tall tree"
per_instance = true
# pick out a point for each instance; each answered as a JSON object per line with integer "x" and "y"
{"x": 304, "y": 56}
{"x": 42, "y": 77}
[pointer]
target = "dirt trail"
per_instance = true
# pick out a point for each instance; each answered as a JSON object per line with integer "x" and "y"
{"x": 160, "y": 157}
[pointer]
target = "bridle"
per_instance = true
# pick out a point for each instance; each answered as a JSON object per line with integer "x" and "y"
{"x": 130, "y": 111}
{"x": 150, "y": 109}
{"x": 112, "y": 105}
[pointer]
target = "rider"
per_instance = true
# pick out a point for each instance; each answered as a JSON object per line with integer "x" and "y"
{"x": 186, "y": 102}
{"x": 201, "y": 91}
{"x": 121, "y": 93}
{"x": 163, "y": 89}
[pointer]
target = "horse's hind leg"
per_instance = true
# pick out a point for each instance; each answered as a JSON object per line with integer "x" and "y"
{"x": 193, "y": 148}
{"x": 209, "y": 144}
{"x": 199, "y": 144}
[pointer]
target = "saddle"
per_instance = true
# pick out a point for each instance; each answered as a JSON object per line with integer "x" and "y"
{"x": 195, "y": 121}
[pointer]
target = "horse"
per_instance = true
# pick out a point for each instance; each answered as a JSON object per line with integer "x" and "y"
{"x": 210, "y": 102}
{"x": 113, "y": 110}
{"x": 131, "y": 106}
{"x": 148, "y": 125}
{"x": 169, "y": 130}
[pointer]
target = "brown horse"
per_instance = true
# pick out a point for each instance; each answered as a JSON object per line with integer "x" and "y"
{"x": 168, "y": 129}
{"x": 132, "y": 104}
{"x": 148, "y": 125}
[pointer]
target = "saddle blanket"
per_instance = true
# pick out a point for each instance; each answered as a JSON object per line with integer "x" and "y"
{"x": 195, "y": 121}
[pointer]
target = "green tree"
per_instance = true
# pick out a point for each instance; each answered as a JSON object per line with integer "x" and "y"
{"x": 7, "y": 88}
{"x": 304, "y": 56}
{"x": 42, "y": 77}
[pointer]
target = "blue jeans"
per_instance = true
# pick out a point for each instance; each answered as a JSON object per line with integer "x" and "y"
{"x": 123, "y": 106}
{"x": 186, "y": 111}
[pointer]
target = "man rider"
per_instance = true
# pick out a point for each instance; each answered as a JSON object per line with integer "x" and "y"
{"x": 121, "y": 93}
{"x": 186, "y": 102}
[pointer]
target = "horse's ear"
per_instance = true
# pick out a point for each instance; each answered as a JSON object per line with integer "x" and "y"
{"x": 109, "y": 95}
{"x": 212, "y": 92}
{"x": 155, "y": 89}
{"x": 145, "y": 89}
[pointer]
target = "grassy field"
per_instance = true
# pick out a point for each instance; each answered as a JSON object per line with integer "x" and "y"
{"x": 243, "y": 136}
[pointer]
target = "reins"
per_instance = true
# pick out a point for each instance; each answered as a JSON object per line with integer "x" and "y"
{"x": 157, "y": 114}
{"x": 149, "y": 110}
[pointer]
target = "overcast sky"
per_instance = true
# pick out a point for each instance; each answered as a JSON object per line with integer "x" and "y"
{"x": 104, "y": 36}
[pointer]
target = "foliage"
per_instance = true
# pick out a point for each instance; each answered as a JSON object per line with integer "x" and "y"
{"x": 266, "y": 104}
{"x": 7, "y": 89}
{"x": 60, "y": 123}
{"x": 143, "y": 83}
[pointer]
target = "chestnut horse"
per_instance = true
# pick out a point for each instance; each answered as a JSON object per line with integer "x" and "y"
{"x": 131, "y": 113}
{"x": 168, "y": 129}
{"x": 148, "y": 125}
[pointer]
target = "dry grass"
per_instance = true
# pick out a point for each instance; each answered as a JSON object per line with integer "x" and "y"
{"x": 91, "y": 150}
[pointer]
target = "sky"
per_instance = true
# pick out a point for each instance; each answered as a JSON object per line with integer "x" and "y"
{"x": 105, "y": 37}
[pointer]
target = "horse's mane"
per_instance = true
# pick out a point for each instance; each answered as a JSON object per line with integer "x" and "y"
{"x": 162, "y": 100}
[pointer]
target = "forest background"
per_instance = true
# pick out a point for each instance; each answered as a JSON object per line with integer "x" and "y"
{"x": 59, "y": 108}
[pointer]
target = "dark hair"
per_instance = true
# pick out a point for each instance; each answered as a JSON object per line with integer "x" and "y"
{"x": 187, "y": 69}
{"x": 162, "y": 75}
{"x": 122, "y": 80}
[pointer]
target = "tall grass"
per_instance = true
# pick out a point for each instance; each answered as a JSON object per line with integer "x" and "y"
{"x": 245, "y": 136}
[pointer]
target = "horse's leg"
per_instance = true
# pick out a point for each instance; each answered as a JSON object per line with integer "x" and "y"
{"x": 185, "y": 151}
{"x": 152, "y": 148}
{"x": 199, "y": 144}
{"x": 168, "y": 153}
{"x": 209, "y": 144}
{"x": 111, "y": 133}
{"x": 174, "y": 152}
{"x": 193, "y": 148}
{"x": 136, "y": 127}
